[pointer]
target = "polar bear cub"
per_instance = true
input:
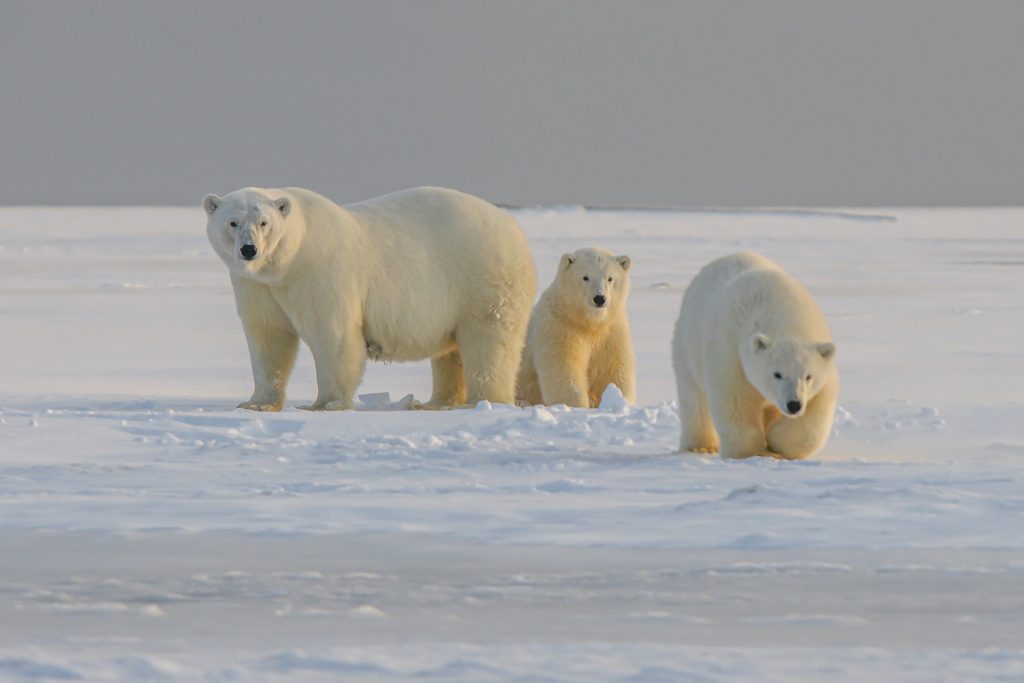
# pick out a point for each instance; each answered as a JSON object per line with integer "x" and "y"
{"x": 754, "y": 366}
{"x": 578, "y": 340}
{"x": 422, "y": 273}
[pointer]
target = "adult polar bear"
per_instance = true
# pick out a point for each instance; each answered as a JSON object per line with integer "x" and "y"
{"x": 421, "y": 273}
{"x": 754, "y": 362}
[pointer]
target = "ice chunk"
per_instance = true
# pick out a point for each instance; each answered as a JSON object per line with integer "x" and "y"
{"x": 378, "y": 400}
{"x": 404, "y": 402}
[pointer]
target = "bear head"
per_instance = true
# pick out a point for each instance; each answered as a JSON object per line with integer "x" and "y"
{"x": 592, "y": 282}
{"x": 251, "y": 232}
{"x": 787, "y": 372}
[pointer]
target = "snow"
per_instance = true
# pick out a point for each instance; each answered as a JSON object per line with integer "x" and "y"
{"x": 151, "y": 531}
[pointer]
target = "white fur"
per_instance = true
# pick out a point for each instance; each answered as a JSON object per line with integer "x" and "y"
{"x": 574, "y": 347}
{"x": 743, "y": 319}
{"x": 422, "y": 273}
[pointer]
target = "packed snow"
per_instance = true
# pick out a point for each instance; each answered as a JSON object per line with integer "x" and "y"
{"x": 152, "y": 531}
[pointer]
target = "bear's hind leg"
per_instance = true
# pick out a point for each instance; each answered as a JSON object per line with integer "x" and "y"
{"x": 449, "y": 381}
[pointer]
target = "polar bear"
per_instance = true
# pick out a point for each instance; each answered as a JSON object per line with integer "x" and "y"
{"x": 422, "y": 273}
{"x": 754, "y": 362}
{"x": 578, "y": 340}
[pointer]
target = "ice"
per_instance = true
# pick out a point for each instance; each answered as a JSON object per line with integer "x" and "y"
{"x": 379, "y": 400}
{"x": 151, "y": 531}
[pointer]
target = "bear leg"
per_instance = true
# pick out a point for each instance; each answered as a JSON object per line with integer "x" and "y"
{"x": 449, "y": 381}
{"x": 339, "y": 369}
{"x": 562, "y": 370}
{"x": 527, "y": 384}
{"x": 614, "y": 363}
{"x": 490, "y": 360}
{"x": 698, "y": 431}
{"x": 272, "y": 352}
{"x": 272, "y": 341}
{"x": 739, "y": 421}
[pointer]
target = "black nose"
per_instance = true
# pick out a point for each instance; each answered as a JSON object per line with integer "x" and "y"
{"x": 793, "y": 407}
{"x": 248, "y": 252}
{"x": 599, "y": 300}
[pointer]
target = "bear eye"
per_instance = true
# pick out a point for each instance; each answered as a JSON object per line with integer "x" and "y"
{"x": 609, "y": 279}
{"x": 263, "y": 224}
{"x": 234, "y": 224}
{"x": 778, "y": 375}
{"x": 586, "y": 279}
{"x": 808, "y": 378}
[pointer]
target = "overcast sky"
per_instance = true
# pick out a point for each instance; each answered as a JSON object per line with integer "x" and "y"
{"x": 718, "y": 103}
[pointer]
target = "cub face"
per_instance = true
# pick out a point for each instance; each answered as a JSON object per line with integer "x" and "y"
{"x": 249, "y": 230}
{"x": 594, "y": 281}
{"x": 787, "y": 372}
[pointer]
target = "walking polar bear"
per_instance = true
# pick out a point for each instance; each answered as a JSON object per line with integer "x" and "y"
{"x": 753, "y": 357}
{"x": 578, "y": 341}
{"x": 422, "y": 273}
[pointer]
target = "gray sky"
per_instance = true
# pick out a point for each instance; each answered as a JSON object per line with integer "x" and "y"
{"x": 792, "y": 102}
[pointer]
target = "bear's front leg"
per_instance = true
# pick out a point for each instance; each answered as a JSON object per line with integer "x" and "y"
{"x": 697, "y": 432}
{"x": 796, "y": 438}
{"x": 527, "y": 383}
{"x": 739, "y": 421}
{"x": 614, "y": 363}
{"x": 744, "y": 441}
{"x": 273, "y": 344}
{"x": 339, "y": 369}
{"x": 272, "y": 352}
{"x": 449, "y": 382}
{"x": 562, "y": 370}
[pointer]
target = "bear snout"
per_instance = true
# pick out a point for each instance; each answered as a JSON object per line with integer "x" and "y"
{"x": 793, "y": 407}
{"x": 600, "y": 300}
{"x": 248, "y": 252}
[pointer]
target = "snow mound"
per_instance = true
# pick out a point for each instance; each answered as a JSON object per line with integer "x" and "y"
{"x": 612, "y": 401}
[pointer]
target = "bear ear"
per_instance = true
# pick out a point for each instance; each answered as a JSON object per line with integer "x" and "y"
{"x": 211, "y": 202}
{"x": 760, "y": 342}
{"x": 567, "y": 260}
{"x": 284, "y": 205}
{"x": 827, "y": 350}
{"x": 624, "y": 261}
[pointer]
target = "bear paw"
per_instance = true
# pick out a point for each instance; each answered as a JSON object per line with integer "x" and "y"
{"x": 261, "y": 407}
{"x": 437, "y": 405}
{"x": 336, "y": 404}
{"x": 756, "y": 454}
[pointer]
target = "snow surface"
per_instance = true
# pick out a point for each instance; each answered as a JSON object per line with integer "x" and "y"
{"x": 150, "y": 531}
